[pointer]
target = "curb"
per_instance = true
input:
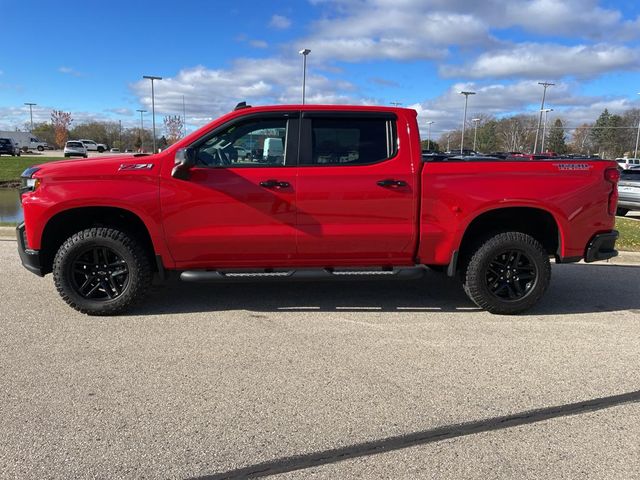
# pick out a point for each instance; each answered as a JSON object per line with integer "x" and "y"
{"x": 624, "y": 258}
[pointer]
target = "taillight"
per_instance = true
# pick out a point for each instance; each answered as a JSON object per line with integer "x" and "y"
{"x": 612, "y": 175}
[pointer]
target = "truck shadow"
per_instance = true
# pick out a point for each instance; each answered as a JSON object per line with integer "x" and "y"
{"x": 575, "y": 288}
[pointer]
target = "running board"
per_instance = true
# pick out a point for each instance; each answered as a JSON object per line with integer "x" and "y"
{"x": 226, "y": 276}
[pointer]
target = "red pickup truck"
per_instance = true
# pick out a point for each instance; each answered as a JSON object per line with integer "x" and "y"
{"x": 306, "y": 191}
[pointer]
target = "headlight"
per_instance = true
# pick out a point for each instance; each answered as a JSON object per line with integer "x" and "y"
{"x": 28, "y": 183}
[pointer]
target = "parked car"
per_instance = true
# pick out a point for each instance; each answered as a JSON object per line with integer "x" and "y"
{"x": 9, "y": 147}
{"x": 74, "y": 148}
{"x": 25, "y": 141}
{"x": 626, "y": 163}
{"x": 375, "y": 209}
{"x": 629, "y": 191}
{"x": 115, "y": 150}
{"x": 93, "y": 146}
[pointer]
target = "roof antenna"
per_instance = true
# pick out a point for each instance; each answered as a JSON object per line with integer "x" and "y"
{"x": 241, "y": 105}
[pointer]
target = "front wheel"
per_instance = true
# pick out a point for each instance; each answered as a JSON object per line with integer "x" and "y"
{"x": 508, "y": 273}
{"x": 101, "y": 271}
{"x": 40, "y": 148}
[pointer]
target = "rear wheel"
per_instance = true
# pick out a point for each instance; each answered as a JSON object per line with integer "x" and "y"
{"x": 40, "y": 148}
{"x": 622, "y": 211}
{"x": 508, "y": 273}
{"x": 101, "y": 271}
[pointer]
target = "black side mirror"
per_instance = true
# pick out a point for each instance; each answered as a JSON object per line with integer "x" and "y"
{"x": 185, "y": 160}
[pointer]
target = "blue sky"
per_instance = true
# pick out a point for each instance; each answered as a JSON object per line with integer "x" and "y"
{"x": 88, "y": 57}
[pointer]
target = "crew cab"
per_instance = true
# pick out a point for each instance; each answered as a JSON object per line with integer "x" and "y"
{"x": 348, "y": 195}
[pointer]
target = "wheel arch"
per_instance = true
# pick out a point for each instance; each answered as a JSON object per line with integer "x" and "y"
{"x": 537, "y": 222}
{"x": 67, "y": 222}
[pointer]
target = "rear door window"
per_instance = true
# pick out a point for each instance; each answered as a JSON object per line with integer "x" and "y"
{"x": 348, "y": 141}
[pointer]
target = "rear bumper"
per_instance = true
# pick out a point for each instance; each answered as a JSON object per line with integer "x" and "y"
{"x": 30, "y": 258}
{"x": 602, "y": 247}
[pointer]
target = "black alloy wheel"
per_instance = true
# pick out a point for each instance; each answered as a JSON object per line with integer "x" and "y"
{"x": 511, "y": 275}
{"x": 102, "y": 271}
{"x": 99, "y": 273}
{"x": 507, "y": 273}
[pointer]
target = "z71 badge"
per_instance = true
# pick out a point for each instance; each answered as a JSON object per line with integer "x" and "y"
{"x": 136, "y": 166}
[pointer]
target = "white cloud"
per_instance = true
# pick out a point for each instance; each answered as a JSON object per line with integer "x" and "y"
{"x": 211, "y": 92}
{"x": 70, "y": 71}
{"x": 499, "y": 99}
{"x": 120, "y": 111}
{"x": 258, "y": 43}
{"x": 548, "y": 61}
{"x": 280, "y": 22}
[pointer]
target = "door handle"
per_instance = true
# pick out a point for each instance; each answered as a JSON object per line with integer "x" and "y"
{"x": 391, "y": 183}
{"x": 274, "y": 184}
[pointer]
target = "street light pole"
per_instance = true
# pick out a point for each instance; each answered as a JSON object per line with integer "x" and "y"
{"x": 544, "y": 127}
{"x": 184, "y": 117}
{"x": 141, "y": 129}
{"x": 304, "y": 52}
{"x": 475, "y": 131}
{"x": 31, "y": 114}
{"x": 429, "y": 134}
{"x": 153, "y": 108}
{"x": 635, "y": 155}
{"x": 464, "y": 119}
{"x": 544, "y": 94}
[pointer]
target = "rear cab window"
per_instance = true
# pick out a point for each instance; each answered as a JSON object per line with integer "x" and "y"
{"x": 347, "y": 140}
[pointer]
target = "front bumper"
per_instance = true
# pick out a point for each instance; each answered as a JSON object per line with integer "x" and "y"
{"x": 30, "y": 258}
{"x": 602, "y": 247}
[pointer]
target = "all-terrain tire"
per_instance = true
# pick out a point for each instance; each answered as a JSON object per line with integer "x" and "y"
{"x": 486, "y": 282}
{"x": 118, "y": 245}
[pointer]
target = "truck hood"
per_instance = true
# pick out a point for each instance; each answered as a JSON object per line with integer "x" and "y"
{"x": 102, "y": 166}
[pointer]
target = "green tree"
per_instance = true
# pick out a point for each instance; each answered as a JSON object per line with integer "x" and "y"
{"x": 607, "y": 135}
{"x": 487, "y": 140}
{"x": 430, "y": 145}
{"x": 45, "y": 132}
{"x": 556, "y": 140}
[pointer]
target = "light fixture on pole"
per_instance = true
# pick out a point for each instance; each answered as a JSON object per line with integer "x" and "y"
{"x": 464, "y": 119}
{"x": 304, "y": 52}
{"x": 429, "y": 134}
{"x": 31, "y": 114}
{"x": 153, "y": 108}
{"x": 544, "y": 127}
{"x": 475, "y": 131}
{"x": 635, "y": 155}
{"x": 544, "y": 94}
{"x": 141, "y": 130}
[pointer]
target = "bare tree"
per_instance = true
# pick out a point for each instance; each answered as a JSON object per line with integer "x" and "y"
{"x": 173, "y": 125}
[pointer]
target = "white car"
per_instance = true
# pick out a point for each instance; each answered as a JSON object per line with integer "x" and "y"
{"x": 626, "y": 163}
{"x": 75, "y": 148}
{"x": 93, "y": 146}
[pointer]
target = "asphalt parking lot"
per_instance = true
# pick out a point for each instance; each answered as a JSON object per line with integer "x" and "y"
{"x": 322, "y": 380}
